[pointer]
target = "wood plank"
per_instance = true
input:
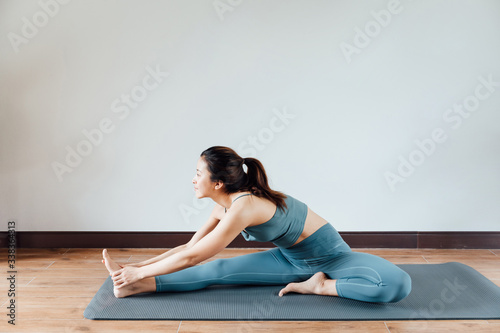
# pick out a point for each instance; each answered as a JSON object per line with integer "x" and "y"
{"x": 51, "y": 308}
{"x": 43, "y": 282}
{"x": 82, "y": 265}
{"x": 490, "y": 273}
{"x": 22, "y": 279}
{"x": 36, "y": 257}
{"x": 26, "y": 293}
{"x": 477, "y": 262}
{"x": 440, "y": 326}
{"x": 29, "y": 265}
{"x": 404, "y": 259}
{"x": 465, "y": 252}
{"x": 115, "y": 251}
{"x": 86, "y": 325}
{"x": 65, "y": 273}
{"x": 487, "y": 256}
{"x": 94, "y": 256}
{"x": 281, "y": 326}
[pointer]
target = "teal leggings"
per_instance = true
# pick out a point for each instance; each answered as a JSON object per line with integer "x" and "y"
{"x": 360, "y": 276}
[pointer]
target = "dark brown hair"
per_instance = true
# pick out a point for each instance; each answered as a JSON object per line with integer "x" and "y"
{"x": 225, "y": 165}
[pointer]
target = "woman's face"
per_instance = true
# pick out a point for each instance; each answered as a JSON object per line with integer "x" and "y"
{"x": 201, "y": 181}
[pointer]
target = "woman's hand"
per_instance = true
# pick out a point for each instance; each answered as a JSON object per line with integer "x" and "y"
{"x": 126, "y": 276}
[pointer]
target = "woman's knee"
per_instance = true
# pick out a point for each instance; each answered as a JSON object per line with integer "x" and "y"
{"x": 397, "y": 288}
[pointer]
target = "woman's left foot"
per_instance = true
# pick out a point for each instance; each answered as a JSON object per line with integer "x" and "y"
{"x": 314, "y": 285}
{"x": 132, "y": 289}
{"x": 140, "y": 286}
{"x": 110, "y": 264}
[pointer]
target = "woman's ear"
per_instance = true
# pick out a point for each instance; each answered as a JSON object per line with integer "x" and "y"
{"x": 218, "y": 185}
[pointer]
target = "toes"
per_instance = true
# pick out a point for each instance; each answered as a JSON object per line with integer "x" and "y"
{"x": 286, "y": 290}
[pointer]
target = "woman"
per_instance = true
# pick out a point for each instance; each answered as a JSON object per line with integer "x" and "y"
{"x": 310, "y": 257}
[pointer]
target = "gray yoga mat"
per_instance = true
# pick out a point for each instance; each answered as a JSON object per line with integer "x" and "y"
{"x": 439, "y": 291}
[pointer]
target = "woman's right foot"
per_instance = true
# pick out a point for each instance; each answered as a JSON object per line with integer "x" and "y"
{"x": 314, "y": 285}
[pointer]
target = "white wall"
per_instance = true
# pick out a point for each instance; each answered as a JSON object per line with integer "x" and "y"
{"x": 225, "y": 70}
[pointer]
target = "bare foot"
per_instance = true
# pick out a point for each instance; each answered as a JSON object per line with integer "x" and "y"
{"x": 314, "y": 285}
{"x": 110, "y": 264}
{"x": 145, "y": 285}
{"x": 138, "y": 287}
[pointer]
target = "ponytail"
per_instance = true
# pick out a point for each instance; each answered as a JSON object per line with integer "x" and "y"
{"x": 258, "y": 185}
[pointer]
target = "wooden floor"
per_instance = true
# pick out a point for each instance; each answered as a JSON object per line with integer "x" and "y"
{"x": 54, "y": 286}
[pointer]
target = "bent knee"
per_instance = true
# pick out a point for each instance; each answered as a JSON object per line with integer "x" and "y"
{"x": 397, "y": 289}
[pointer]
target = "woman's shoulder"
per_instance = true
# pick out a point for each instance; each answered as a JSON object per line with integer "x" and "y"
{"x": 259, "y": 209}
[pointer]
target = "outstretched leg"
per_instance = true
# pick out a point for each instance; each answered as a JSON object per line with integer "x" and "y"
{"x": 141, "y": 286}
{"x": 268, "y": 267}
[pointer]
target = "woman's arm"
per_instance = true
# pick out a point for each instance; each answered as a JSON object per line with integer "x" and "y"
{"x": 160, "y": 257}
{"x": 212, "y": 221}
{"x": 215, "y": 241}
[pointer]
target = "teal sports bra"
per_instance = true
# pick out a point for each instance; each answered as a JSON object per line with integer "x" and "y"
{"x": 284, "y": 228}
